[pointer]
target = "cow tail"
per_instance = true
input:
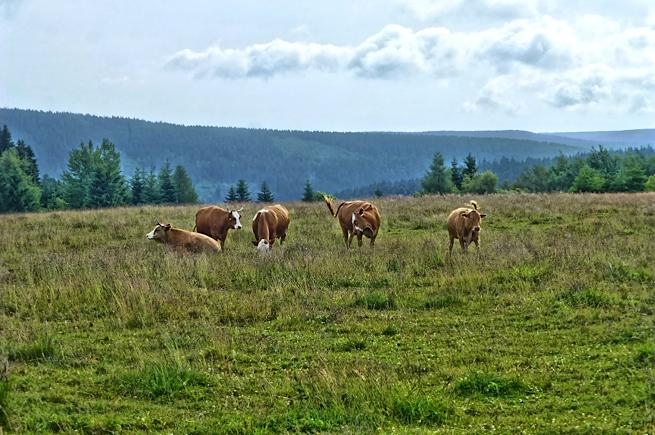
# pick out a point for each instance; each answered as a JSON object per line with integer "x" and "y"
{"x": 195, "y": 227}
{"x": 475, "y": 205}
{"x": 329, "y": 206}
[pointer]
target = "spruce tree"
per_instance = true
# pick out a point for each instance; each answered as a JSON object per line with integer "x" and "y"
{"x": 17, "y": 191}
{"x": 137, "y": 187}
{"x": 26, "y": 154}
{"x": 151, "y": 188}
{"x": 456, "y": 174}
{"x": 470, "y": 167}
{"x": 184, "y": 190}
{"x": 265, "y": 195}
{"x": 308, "y": 194}
{"x": 243, "y": 194}
{"x": 166, "y": 187}
{"x": 52, "y": 195}
{"x": 231, "y": 195}
{"x": 5, "y": 139}
{"x": 108, "y": 186}
{"x": 437, "y": 179}
{"x": 78, "y": 177}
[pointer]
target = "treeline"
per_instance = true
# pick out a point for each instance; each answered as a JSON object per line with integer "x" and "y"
{"x": 92, "y": 179}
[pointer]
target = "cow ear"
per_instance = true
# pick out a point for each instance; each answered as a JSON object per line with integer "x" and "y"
{"x": 167, "y": 227}
{"x": 361, "y": 211}
{"x": 464, "y": 214}
{"x": 483, "y": 215}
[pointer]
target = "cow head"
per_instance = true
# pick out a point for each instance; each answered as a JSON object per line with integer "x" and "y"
{"x": 234, "y": 219}
{"x": 473, "y": 220}
{"x": 263, "y": 246}
{"x": 361, "y": 224}
{"x": 158, "y": 233}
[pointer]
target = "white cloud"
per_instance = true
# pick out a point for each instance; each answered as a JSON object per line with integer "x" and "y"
{"x": 502, "y": 10}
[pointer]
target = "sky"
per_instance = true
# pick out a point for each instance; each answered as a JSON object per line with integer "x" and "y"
{"x": 338, "y": 65}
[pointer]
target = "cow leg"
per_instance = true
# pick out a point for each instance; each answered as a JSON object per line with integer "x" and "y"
{"x": 477, "y": 245}
{"x": 350, "y": 238}
{"x": 282, "y": 237}
{"x": 450, "y": 248}
{"x": 222, "y": 242}
{"x": 372, "y": 241}
{"x": 345, "y": 236}
{"x": 462, "y": 243}
{"x": 359, "y": 239}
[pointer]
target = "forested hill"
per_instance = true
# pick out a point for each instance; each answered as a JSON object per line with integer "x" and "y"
{"x": 217, "y": 156}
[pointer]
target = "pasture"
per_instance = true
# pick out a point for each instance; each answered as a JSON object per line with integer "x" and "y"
{"x": 549, "y": 329}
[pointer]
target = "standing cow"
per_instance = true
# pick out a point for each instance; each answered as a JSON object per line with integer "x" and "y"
{"x": 357, "y": 218}
{"x": 215, "y": 222}
{"x": 165, "y": 233}
{"x": 464, "y": 225}
{"x": 268, "y": 224}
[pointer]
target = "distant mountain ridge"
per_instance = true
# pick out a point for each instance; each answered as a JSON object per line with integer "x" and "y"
{"x": 218, "y": 156}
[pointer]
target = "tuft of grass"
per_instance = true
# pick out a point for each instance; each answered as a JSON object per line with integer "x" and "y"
{"x": 413, "y": 409}
{"x": 350, "y": 345}
{"x": 376, "y": 300}
{"x": 390, "y": 330}
{"x": 588, "y": 297}
{"x": 5, "y": 391}
{"x": 160, "y": 380}
{"x": 443, "y": 301}
{"x": 43, "y": 349}
{"x": 490, "y": 385}
{"x": 646, "y": 355}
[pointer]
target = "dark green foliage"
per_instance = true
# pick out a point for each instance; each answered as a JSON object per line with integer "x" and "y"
{"x": 490, "y": 384}
{"x": 437, "y": 180}
{"x": 26, "y": 154}
{"x": 17, "y": 190}
{"x": 402, "y": 187}
{"x": 151, "y": 194}
{"x": 77, "y": 179}
{"x": 413, "y": 409}
{"x": 165, "y": 183}
{"x": 52, "y": 194}
{"x": 185, "y": 193}
{"x": 587, "y": 297}
{"x": 470, "y": 166}
{"x": 43, "y": 349}
{"x": 265, "y": 194}
{"x": 243, "y": 194}
{"x": 456, "y": 174}
{"x": 108, "y": 186}
{"x": 231, "y": 195}
{"x": 376, "y": 301}
{"x": 650, "y": 184}
{"x": 588, "y": 180}
{"x": 5, "y": 139}
{"x": 162, "y": 381}
{"x": 5, "y": 391}
{"x": 308, "y": 194}
{"x": 137, "y": 187}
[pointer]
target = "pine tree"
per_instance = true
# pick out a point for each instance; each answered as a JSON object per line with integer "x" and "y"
{"x": 437, "y": 180}
{"x": 5, "y": 139}
{"x": 243, "y": 194}
{"x": 26, "y": 154}
{"x": 456, "y": 174}
{"x": 588, "y": 180}
{"x": 184, "y": 191}
{"x": 265, "y": 195}
{"x": 470, "y": 167}
{"x": 108, "y": 186}
{"x": 483, "y": 183}
{"x": 137, "y": 187}
{"x": 151, "y": 193}
{"x": 166, "y": 187}
{"x": 308, "y": 194}
{"x": 17, "y": 191}
{"x": 231, "y": 195}
{"x": 77, "y": 179}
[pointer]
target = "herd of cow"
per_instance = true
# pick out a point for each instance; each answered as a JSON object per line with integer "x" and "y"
{"x": 357, "y": 219}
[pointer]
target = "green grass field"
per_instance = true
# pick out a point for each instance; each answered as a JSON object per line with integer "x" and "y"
{"x": 550, "y": 329}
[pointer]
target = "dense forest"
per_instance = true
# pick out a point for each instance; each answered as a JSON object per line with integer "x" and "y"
{"x": 216, "y": 157}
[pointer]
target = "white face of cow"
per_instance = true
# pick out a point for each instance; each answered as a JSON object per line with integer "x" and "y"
{"x": 263, "y": 246}
{"x": 355, "y": 227}
{"x": 151, "y": 234}
{"x": 237, "y": 219}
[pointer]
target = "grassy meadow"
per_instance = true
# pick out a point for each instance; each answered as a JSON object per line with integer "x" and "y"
{"x": 549, "y": 329}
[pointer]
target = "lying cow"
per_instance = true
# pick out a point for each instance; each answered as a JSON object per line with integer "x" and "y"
{"x": 268, "y": 224}
{"x": 464, "y": 225}
{"x": 357, "y": 218}
{"x": 214, "y": 221}
{"x": 178, "y": 238}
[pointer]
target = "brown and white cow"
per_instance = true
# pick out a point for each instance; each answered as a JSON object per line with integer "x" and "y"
{"x": 268, "y": 224}
{"x": 464, "y": 225}
{"x": 357, "y": 218}
{"x": 178, "y": 238}
{"x": 214, "y": 221}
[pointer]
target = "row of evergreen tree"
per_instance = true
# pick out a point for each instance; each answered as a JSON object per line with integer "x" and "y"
{"x": 93, "y": 179}
{"x": 464, "y": 178}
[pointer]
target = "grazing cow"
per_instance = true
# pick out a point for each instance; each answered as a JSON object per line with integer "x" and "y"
{"x": 214, "y": 221}
{"x": 464, "y": 224}
{"x": 357, "y": 218}
{"x": 268, "y": 224}
{"x": 176, "y": 237}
